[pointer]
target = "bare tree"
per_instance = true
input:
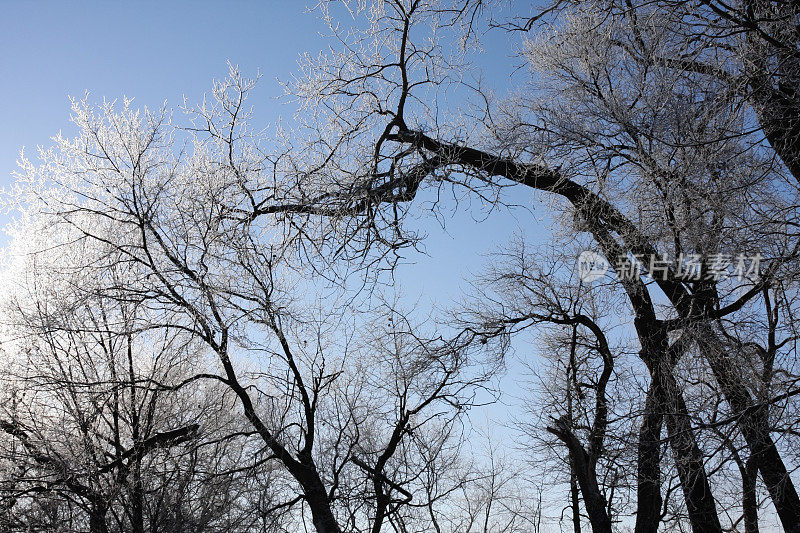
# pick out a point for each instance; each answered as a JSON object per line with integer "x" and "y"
{"x": 648, "y": 155}
{"x": 655, "y": 132}
{"x": 355, "y": 422}
{"x": 92, "y": 413}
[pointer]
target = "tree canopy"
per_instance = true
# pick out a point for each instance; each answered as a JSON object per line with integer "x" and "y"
{"x": 204, "y": 328}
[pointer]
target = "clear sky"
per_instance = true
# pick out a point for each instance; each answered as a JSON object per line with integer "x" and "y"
{"x": 161, "y": 51}
{"x": 147, "y": 50}
{"x": 157, "y": 52}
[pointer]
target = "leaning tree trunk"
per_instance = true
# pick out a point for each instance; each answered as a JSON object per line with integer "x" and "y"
{"x": 752, "y": 422}
{"x": 603, "y": 220}
{"x": 583, "y": 471}
{"x": 668, "y": 401}
{"x": 688, "y": 456}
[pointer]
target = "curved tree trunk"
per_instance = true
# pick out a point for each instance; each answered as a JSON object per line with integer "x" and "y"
{"x": 603, "y": 219}
{"x": 584, "y": 470}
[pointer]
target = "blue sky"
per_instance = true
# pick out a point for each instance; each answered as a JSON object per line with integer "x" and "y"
{"x": 157, "y": 52}
{"x": 151, "y": 51}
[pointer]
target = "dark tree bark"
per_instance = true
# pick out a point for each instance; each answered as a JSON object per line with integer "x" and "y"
{"x": 648, "y": 475}
{"x": 772, "y": 68}
{"x": 137, "y": 499}
{"x": 749, "y": 496}
{"x": 603, "y": 219}
{"x": 583, "y": 471}
{"x": 752, "y": 422}
{"x": 575, "y": 498}
{"x": 688, "y": 457}
{"x": 97, "y": 518}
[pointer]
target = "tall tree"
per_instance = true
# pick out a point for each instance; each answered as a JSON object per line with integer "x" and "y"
{"x": 628, "y": 124}
{"x": 139, "y": 221}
